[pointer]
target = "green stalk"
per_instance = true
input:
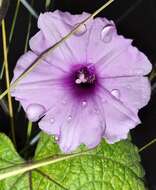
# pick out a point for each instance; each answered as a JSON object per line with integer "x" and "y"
{"x": 147, "y": 145}
{"x": 20, "y": 169}
{"x": 8, "y": 81}
{"x": 11, "y": 33}
{"x": 29, "y": 128}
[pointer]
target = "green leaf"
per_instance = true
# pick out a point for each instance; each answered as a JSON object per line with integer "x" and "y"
{"x": 8, "y": 158}
{"x": 108, "y": 167}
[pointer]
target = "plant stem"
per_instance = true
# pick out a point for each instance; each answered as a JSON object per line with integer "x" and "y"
{"x": 14, "y": 21}
{"x": 29, "y": 8}
{"x": 20, "y": 169}
{"x": 8, "y": 81}
{"x": 11, "y": 33}
{"x": 29, "y": 129}
{"x": 147, "y": 145}
{"x": 28, "y": 32}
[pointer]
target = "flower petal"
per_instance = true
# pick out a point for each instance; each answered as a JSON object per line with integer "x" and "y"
{"x": 38, "y": 43}
{"x": 56, "y": 25}
{"x": 104, "y": 50}
{"x": 116, "y": 57}
{"x": 93, "y": 122}
{"x": 125, "y": 62}
{"x": 117, "y": 124}
{"x": 53, "y": 120}
{"x": 73, "y": 126}
{"x": 132, "y": 91}
{"x": 34, "y": 89}
{"x": 85, "y": 128}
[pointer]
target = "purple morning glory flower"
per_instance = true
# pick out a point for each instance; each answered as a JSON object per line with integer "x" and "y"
{"x": 89, "y": 88}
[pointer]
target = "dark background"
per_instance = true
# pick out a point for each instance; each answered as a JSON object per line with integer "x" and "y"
{"x": 135, "y": 19}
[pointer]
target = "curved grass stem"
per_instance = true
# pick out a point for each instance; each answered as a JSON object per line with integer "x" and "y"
{"x": 147, "y": 145}
{"x": 29, "y": 129}
{"x": 11, "y": 33}
{"x": 22, "y": 168}
{"x": 8, "y": 81}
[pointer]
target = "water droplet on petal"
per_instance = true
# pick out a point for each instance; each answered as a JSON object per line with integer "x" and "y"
{"x": 52, "y": 120}
{"x": 4, "y": 4}
{"x": 84, "y": 103}
{"x": 107, "y": 33}
{"x": 128, "y": 86}
{"x": 78, "y": 81}
{"x": 35, "y": 112}
{"x": 69, "y": 118}
{"x": 56, "y": 137}
{"x": 81, "y": 30}
{"x": 116, "y": 93}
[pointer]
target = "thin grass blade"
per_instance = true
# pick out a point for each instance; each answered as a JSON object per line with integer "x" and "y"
{"x": 29, "y": 8}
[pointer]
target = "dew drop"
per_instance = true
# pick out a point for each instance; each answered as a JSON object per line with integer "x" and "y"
{"x": 69, "y": 118}
{"x": 128, "y": 86}
{"x": 81, "y": 30}
{"x": 107, "y": 33}
{"x": 56, "y": 138}
{"x": 35, "y": 112}
{"x": 116, "y": 93}
{"x": 78, "y": 81}
{"x": 52, "y": 120}
{"x": 84, "y": 103}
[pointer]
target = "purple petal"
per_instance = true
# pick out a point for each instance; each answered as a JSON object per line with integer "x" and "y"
{"x": 132, "y": 91}
{"x": 74, "y": 125}
{"x": 53, "y": 120}
{"x": 126, "y": 61}
{"x": 56, "y": 25}
{"x": 35, "y": 112}
{"x": 104, "y": 49}
{"x": 34, "y": 89}
{"x": 117, "y": 56}
{"x": 117, "y": 124}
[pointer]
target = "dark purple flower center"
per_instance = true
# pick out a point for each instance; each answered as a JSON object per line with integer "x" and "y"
{"x": 85, "y": 78}
{"x": 82, "y": 80}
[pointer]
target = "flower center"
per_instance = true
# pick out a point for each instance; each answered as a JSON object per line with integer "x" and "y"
{"x": 85, "y": 77}
{"x": 82, "y": 81}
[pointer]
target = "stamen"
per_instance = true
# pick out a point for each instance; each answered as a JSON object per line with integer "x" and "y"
{"x": 81, "y": 79}
{"x": 78, "y": 81}
{"x": 85, "y": 76}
